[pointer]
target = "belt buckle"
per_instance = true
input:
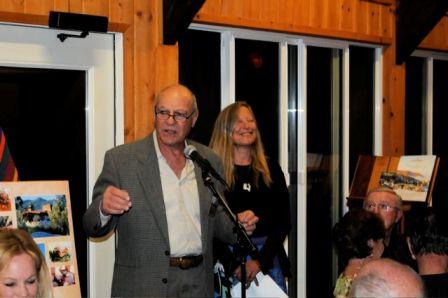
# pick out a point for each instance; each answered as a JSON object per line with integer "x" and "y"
{"x": 183, "y": 263}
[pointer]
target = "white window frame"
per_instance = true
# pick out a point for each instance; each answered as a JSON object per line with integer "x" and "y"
{"x": 429, "y": 57}
{"x": 228, "y": 36}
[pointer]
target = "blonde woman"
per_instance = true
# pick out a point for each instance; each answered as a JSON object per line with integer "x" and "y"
{"x": 257, "y": 184}
{"x": 23, "y": 271}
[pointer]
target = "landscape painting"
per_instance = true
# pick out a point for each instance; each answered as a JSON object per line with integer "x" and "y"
{"x": 42, "y": 215}
{"x": 412, "y": 178}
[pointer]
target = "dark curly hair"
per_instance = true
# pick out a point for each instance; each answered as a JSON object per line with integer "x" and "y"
{"x": 429, "y": 233}
{"x": 354, "y": 230}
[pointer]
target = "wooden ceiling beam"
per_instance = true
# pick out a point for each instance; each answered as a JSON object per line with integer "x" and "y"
{"x": 415, "y": 19}
{"x": 177, "y": 16}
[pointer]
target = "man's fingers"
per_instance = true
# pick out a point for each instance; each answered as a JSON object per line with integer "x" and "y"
{"x": 116, "y": 207}
{"x": 120, "y": 193}
{"x": 115, "y": 201}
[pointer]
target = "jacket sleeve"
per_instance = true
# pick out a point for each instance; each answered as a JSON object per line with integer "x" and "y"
{"x": 91, "y": 220}
{"x": 223, "y": 225}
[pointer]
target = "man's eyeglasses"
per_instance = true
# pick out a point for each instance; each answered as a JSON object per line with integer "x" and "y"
{"x": 178, "y": 117}
{"x": 370, "y": 206}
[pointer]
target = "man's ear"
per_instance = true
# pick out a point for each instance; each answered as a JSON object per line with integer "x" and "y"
{"x": 408, "y": 240}
{"x": 195, "y": 118}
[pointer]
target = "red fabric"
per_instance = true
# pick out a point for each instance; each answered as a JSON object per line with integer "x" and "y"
{"x": 8, "y": 170}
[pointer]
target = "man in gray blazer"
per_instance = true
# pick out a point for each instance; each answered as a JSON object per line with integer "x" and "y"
{"x": 155, "y": 200}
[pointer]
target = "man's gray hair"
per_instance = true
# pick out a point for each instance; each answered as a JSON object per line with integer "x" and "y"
{"x": 193, "y": 97}
{"x": 387, "y": 278}
{"x": 398, "y": 198}
{"x": 370, "y": 285}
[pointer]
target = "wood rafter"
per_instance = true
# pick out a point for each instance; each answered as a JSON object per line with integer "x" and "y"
{"x": 177, "y": 16}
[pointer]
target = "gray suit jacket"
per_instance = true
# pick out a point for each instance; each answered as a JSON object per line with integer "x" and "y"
{"x": 143, "y": 249}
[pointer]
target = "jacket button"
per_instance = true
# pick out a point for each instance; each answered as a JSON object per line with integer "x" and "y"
{"x": 164, "y": 280}
{"x": 167, "y": 252}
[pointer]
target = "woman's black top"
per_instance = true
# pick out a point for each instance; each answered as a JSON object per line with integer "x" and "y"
{"x": 270, "y": 204}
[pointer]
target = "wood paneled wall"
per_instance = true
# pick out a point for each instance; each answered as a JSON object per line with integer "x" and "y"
{"x": 437, "y": 39}
{"x": 346, "y": 19}
{"x": 149, "y": 65}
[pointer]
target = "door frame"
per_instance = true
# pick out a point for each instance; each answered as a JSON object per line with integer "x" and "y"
{"x": 36, "y": 50}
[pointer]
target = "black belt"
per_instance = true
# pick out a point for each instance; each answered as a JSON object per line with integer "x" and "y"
{"x": 186, "y": 261}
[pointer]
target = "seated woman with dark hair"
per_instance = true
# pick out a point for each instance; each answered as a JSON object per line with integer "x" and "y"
{"x": 358, "y": 239}
{"x": 428, "y": 243}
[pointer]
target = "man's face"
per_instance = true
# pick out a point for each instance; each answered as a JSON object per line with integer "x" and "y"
{"x": 175, "y": 101}
{"x": 385, "y": 205}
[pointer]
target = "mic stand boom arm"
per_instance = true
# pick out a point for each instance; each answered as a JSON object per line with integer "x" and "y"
{"x": 244, "y": 245}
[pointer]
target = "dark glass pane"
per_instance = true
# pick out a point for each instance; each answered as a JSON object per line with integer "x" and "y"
{"x": 440, "y": 106}
{"x": 199, "y": 70}
{"x": 440, "y": 129}
{"x": 415, "y": 111}
{"x": 257, "y": 84}
{"x": 43, "y": 116}
{"x": 323, "y": 165}
{"x": 361, "y": 105}
{"x": 292, "y": 167}
{"x": 292, "y": 108}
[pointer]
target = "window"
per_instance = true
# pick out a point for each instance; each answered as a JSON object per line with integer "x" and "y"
{"x": 324, "y": 164}
{"x": 415, "y": 106}
{"x": 303, "y": 96}
{"x": 362, "y": 104}
{"x": 199, "y": 63}
{"x": 426, "y": 109}
{"x": 256, "y": 70}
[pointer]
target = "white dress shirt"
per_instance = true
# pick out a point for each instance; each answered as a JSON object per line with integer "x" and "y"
{"x": 181, "y": 197}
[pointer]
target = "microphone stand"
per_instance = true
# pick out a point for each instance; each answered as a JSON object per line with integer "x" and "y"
{"x": 244, "y": 245}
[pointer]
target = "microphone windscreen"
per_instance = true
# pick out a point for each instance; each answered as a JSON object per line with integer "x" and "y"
{"x": 188, "y": 150}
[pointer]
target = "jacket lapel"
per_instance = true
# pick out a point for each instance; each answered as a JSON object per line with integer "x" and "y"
{"x": 149, "y": 177}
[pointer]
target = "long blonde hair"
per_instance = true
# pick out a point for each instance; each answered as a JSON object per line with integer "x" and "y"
{"x": 14, "y": 242}
{"x": 221, "y": 142}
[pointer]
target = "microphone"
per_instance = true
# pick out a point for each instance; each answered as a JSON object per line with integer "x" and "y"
{"x": 191, "y": 153}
